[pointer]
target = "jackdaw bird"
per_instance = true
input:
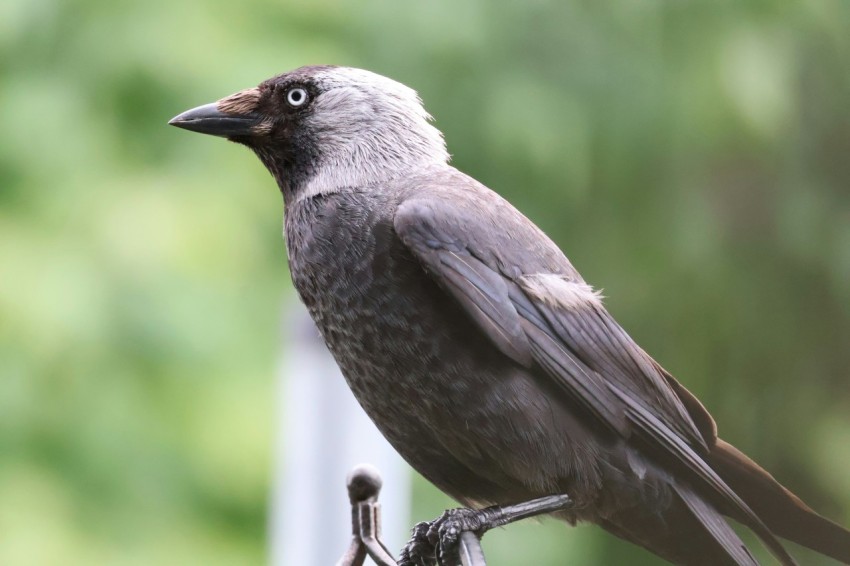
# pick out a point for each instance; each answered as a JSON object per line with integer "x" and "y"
{"x": 473, "y": 343}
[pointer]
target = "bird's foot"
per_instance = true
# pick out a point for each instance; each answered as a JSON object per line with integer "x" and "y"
{"x": 436, "y": 542}
{"x": 419, "y": 551}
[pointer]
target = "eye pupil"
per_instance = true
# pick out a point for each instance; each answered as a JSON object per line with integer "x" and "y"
{"x": 296, "y": 96}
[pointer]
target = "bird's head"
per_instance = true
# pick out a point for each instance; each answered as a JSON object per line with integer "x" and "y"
{"x": 325, "y": 129}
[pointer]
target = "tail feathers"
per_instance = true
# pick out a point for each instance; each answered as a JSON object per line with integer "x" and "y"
{"x": 716, "y": 527}
{"x": 780, "y": 510}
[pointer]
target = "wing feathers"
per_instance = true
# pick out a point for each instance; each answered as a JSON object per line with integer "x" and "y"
{"x": 783, "y": 511}
{"x": 674, "y": 446}
{"x": 579, "y": 382}
{"x": 484, "y": 295}
{"x": 557, "y": 321}
{"x": 716, "y": 526}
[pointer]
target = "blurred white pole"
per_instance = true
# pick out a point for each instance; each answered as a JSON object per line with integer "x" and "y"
{"x": 322, "y": 433}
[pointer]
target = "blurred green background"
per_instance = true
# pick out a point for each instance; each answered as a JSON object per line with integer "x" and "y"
{"x": 692, "y": 158}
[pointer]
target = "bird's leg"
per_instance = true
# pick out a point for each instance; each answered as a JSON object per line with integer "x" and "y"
{"x": 436, "y": 542}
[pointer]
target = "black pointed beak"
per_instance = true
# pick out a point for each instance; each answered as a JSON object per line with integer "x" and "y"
{"x": 208, "y": 119}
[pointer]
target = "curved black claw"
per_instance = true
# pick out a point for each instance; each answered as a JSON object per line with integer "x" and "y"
{"x": 419, "y": 550}
{"x": 445, "y": 533}
{"x": 436, "y": 542}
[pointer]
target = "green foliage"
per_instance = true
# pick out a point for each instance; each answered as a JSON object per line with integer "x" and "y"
{"x": 691, "y": 158}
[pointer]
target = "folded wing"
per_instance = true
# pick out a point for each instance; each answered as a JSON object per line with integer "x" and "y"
{"x": 537, "y": 310}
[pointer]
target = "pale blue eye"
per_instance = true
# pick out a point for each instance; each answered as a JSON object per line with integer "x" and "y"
{"x": 296, "y": 97}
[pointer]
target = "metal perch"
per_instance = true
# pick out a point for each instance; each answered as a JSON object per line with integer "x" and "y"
{"x": 364, "y": 484}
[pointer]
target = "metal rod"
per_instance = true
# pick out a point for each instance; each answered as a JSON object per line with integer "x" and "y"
{"x": 364, "y": 484}
{"x": 471, "y": 553}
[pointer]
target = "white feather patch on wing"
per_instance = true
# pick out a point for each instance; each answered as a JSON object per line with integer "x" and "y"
{"x": 557, "y": 290}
